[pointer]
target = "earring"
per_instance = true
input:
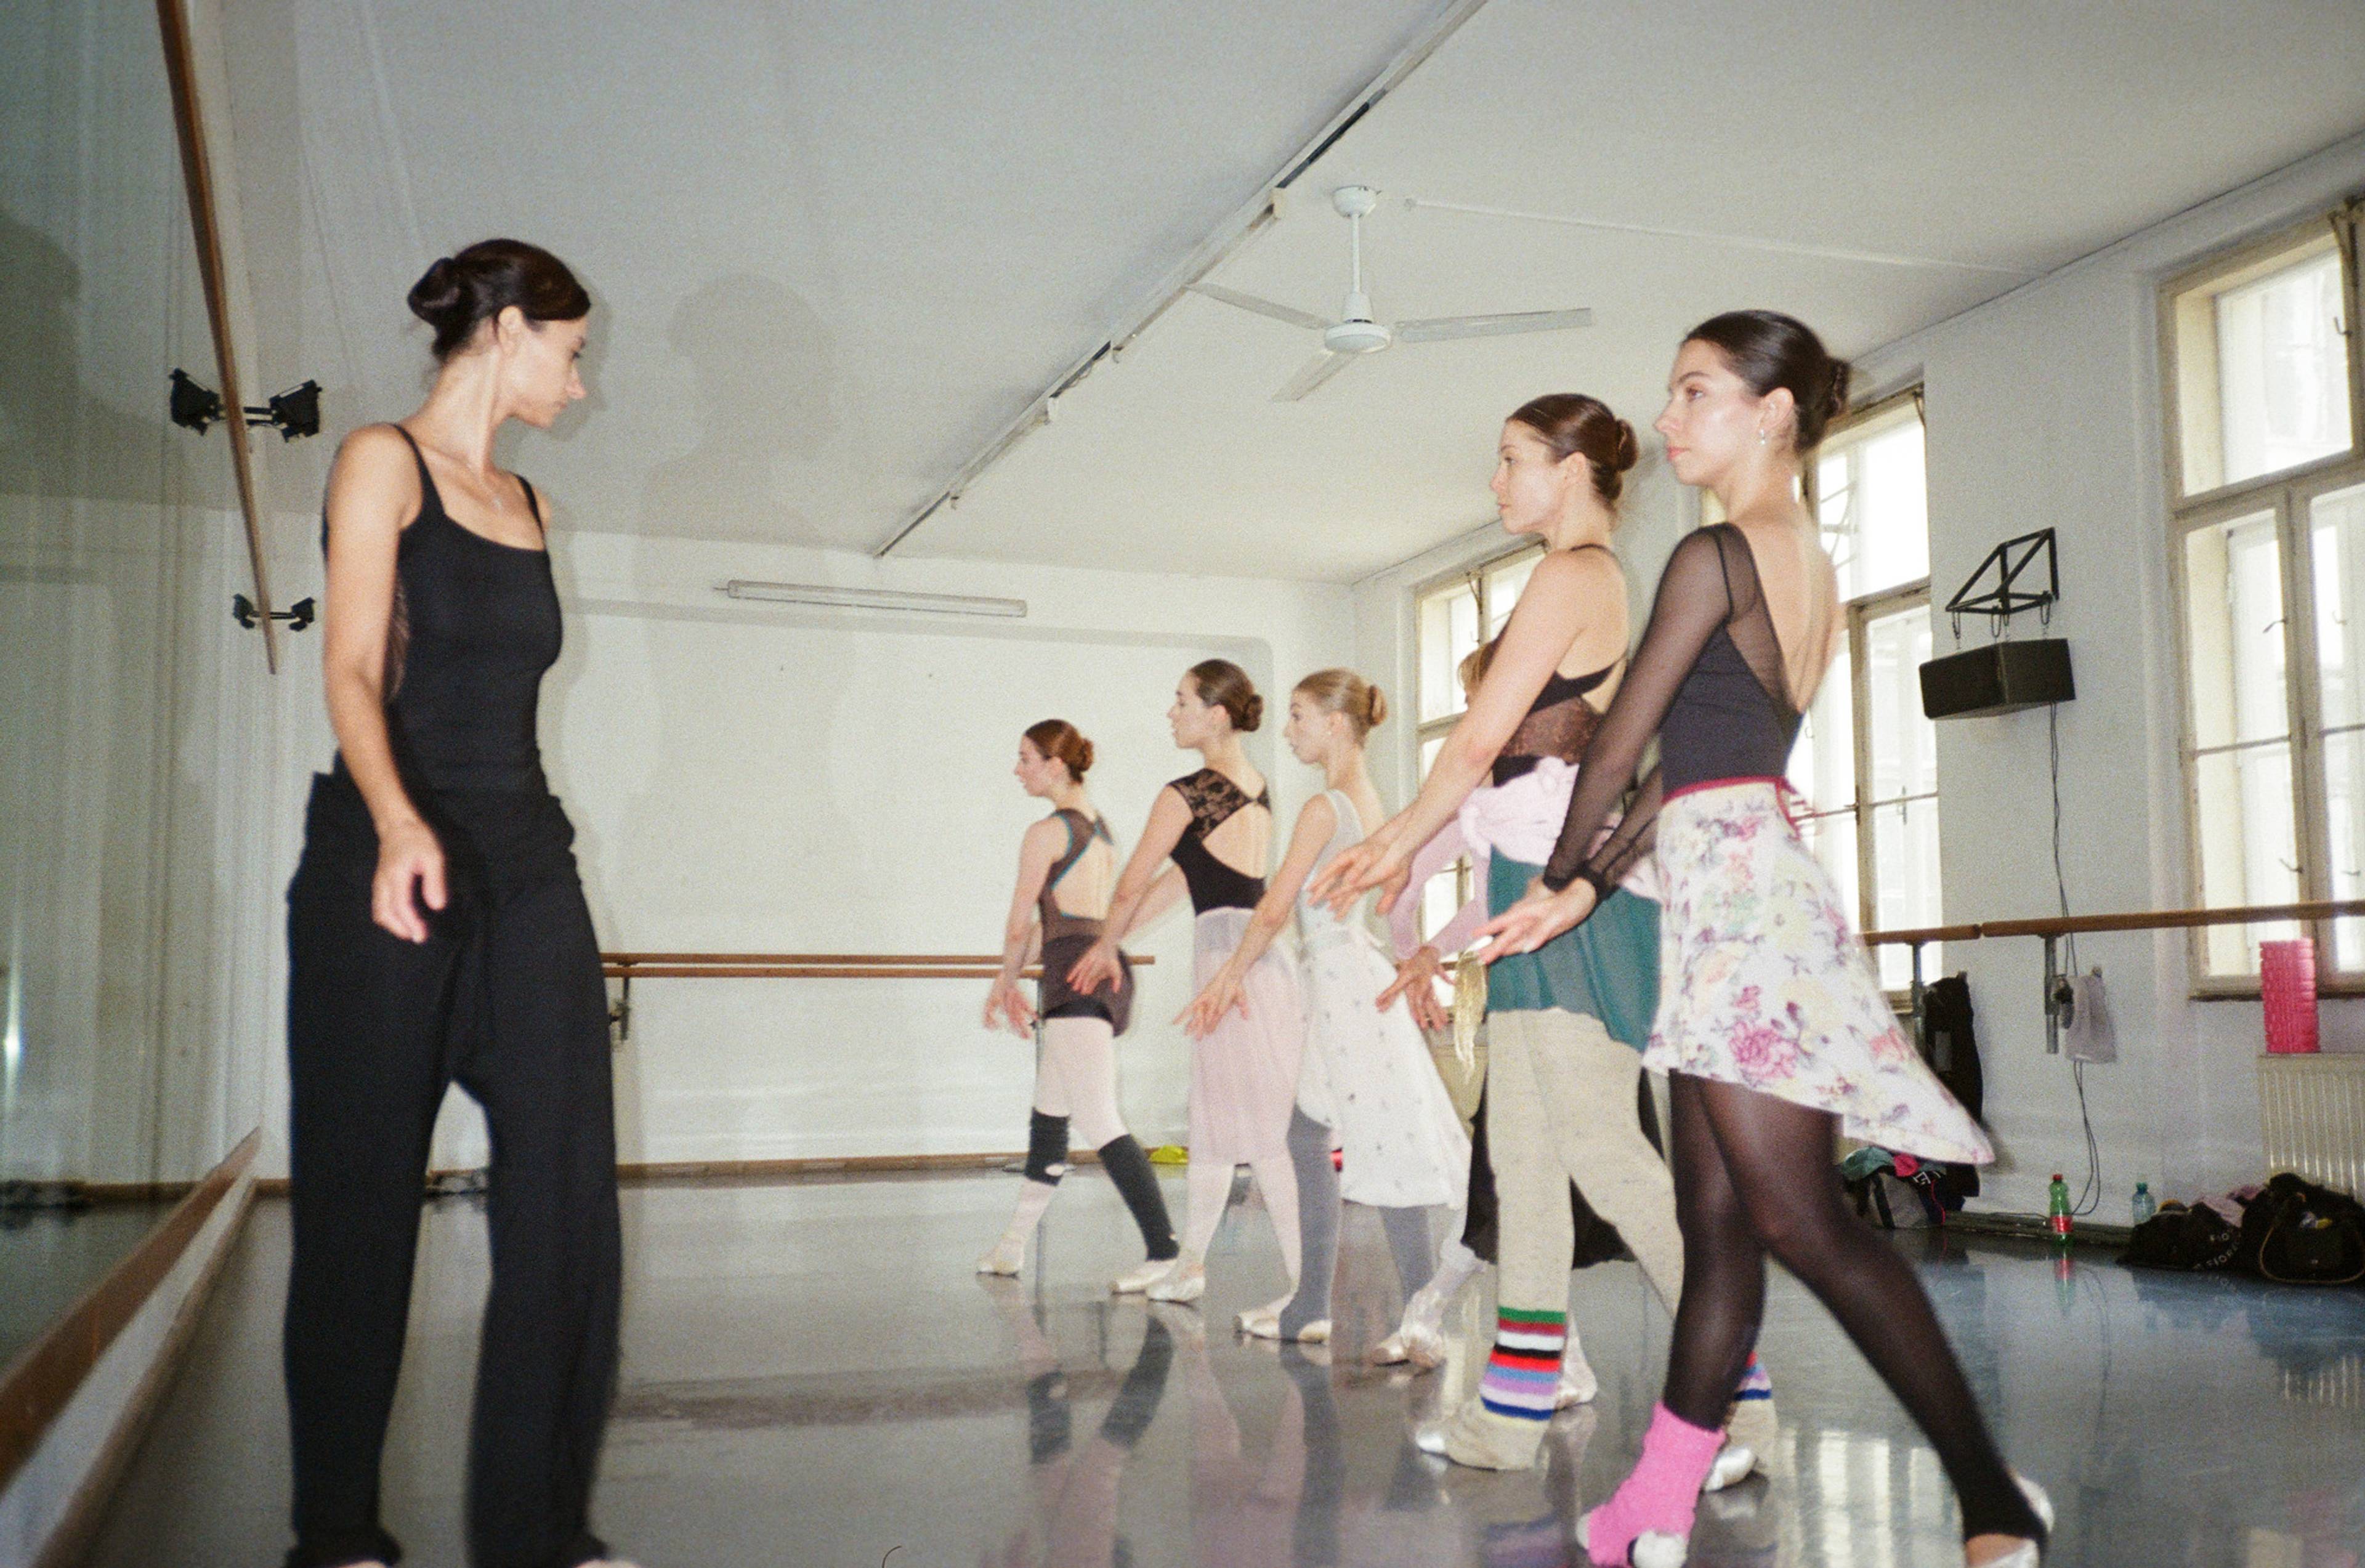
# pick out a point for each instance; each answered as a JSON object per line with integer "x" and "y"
{"x": 1761, "y": 437}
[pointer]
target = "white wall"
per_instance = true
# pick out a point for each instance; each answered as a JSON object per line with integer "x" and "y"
{"x": 2043, "y": 411}
{"x": 749, "y": 777}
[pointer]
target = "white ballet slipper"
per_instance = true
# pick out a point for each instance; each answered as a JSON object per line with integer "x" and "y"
{"x": 1179, "y": 1284}
{"x": 1651, "y": 1549}
{"x": 1731, "y": 1466}
{"x": 1421, "y": 1347}
{"x": 1750, "y": 1431}
{"x": 1142, "y": 1276}
{"x": 1009, "y": 1255}
{"x": 1263, "y": 1323}
{"x": 1577, "y": 1384}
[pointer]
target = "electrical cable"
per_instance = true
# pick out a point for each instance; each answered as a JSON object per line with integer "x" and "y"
{"x": 2090, "y": 1195}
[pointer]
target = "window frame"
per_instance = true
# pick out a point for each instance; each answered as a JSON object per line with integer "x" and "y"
{"x": 2288, "y": 496}
{"x": 1860, "y": 612}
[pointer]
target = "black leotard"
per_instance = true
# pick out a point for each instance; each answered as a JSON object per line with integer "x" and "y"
{"x": 1213, "y": 885}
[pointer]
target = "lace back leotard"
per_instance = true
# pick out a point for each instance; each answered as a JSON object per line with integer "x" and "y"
{"x": 1212, "y": 800}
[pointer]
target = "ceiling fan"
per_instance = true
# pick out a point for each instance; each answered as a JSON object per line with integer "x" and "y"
{"x": 1356, "y": 333}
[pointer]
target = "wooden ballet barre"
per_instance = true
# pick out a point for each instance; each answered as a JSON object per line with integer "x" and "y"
{"x": 628, "y": 967}
{"x": 2052, "y": 928}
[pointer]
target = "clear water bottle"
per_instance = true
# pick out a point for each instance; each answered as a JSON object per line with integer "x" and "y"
{"x": 2145, "y": 1204}
{"x": 2056, "y": 1210}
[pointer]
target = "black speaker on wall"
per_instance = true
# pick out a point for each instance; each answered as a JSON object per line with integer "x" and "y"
{"x": 2001, "y": 678}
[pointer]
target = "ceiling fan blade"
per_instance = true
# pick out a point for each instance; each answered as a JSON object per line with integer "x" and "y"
{"x": 1240, "y": 301}
{"x": 1313, "y": 373}
{"x": 1444, "y": 327}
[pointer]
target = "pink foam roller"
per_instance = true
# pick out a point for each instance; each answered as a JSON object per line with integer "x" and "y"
{"x": 2287, "y": 985}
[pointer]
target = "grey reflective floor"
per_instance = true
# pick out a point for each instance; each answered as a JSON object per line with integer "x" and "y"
{"x": 813, "y": 1376}
{"x": 49, "y": 1257}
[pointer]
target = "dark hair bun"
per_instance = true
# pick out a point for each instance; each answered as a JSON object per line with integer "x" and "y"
{"x": 1058, "y": 739}
{"x": 1627, "y": 452}
{"x": 1836, "y": 404}
{"x": 1251, "y": 713}
{"x": 1083, "y": 762}
{"x": 459, "y": 291}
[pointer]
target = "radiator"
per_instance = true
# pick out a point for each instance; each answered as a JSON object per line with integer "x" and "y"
{"x": 2312, "y": 1110}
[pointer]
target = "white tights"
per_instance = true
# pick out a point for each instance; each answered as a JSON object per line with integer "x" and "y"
{"x": 1207, "y": 1186}
{"x": 1077, "y": 1079}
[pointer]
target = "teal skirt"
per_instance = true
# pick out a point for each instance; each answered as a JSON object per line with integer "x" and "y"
{"x": 1608, "y": 968}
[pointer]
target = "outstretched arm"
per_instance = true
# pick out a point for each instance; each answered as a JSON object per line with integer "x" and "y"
{"x": 1315, "y": 826}
{"x": 1693, "y": 601}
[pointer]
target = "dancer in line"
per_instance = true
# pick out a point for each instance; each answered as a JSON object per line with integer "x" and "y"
{"x": 1217, "y": 825}
{"x": 437, "y": 932}
{"x": 1365, "y": 1071}
{"x": 1561, "y": 1089}
{"x": 1066, "y": 864}
{"x": 1773, "y": 1027}
{"x": 1630, "y": 996}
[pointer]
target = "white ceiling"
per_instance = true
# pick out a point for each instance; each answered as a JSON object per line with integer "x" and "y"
{"x": 835, "y": 251}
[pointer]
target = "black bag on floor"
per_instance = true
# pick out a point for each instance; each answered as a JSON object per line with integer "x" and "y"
{"x": 2195, "y": 1240}
{"x": 2296, "y": 1233}
{"x": 1950, "y": 1040}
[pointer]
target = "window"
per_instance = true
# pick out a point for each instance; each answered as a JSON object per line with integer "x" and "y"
{"x": 1866, "y": 760}
{"x": 2269, "y": 526}
{"x": 1450, "y": 619}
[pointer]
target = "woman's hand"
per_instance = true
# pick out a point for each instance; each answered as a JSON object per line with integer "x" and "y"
{"x": 1208, "y": 1008}
{"x": 1376, "y": 862}
{"x": 1536, "y": 920}
{"x": 408, "y": 855}
{"x": 1006, "y": 1007}
{"x": 1416, "y": 981}
{"x": 1098, "y": 968}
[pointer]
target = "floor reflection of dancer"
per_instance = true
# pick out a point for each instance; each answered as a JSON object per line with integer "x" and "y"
{"x": 1561, "y": 1089}
{"x": 1365, "y": 1071}
{"x": 1066, "y": 863}
{"x": 1076, "y": 1484}
{"x": 1216, "y": 824}
{"x": 437, "y": 931}
{"x": 1629, "y": 993}
{"x": 1773, "y": 1027}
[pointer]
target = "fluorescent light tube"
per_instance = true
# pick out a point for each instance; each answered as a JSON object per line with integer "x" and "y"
{"x": 875, "y": 599}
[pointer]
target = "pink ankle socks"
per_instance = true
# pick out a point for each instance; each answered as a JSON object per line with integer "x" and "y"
{"x": 1661, "y": 1494}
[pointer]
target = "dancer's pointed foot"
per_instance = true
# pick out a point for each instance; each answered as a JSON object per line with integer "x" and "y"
{"x": 1181, "y": 1283}
{"x": 1476, "y": 1437}
{"x": 1142, "y": 1276}
{"x": 1421, "y": 1346}
{"x": 1261, "y": 1322}
{"x": 1009, "y": 1255}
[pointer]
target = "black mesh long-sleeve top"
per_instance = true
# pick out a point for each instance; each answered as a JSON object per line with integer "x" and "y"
{"x": 1708, "y": 681}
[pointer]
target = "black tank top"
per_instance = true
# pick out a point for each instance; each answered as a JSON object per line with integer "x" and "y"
{"x": 476, "y": 625}
{"x": 1213, "y": 885}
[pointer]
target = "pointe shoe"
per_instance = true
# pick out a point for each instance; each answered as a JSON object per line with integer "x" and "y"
{"x": 1421, "y": 1347}
{"x": 1179, "y": 1284}
{"x": 1261, "y": 1322}
{"x": 1263, "y": 1325}
{"x": 1651, "y": 1549}
{"x": 1009, "y": 1255}
{"x": 1142, "y": 1276}
{"x": 1577, "y": 1384}
{"x": 1750, "y": 1430}
{"x": 2027, "y": 1554}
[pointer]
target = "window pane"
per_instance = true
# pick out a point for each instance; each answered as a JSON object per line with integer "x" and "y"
{"x": 1872, "y": 500}
{"x": 1448, "y": 630}
{"x": 1504, "y": 585}
{"x": 2283, "y": 374}
{"x": 1905, "y": 852}
{"x": 2344, "y": 802}
{"x": 2338, "y": 525}
{"x": 2234, "y": 616}
{"x": 2261, "y": 369}
{"x": 2249, "y": 846}
{"x": 1903, "y": 747}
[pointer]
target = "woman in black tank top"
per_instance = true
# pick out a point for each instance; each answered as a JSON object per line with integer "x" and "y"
{"x": 1075, "y": 1064}
{"x": 437, "y": 933}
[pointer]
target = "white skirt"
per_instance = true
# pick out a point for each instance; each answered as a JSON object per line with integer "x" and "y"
{"x": 1244, "y": 1073}
{"x": 1368, "y": 1074}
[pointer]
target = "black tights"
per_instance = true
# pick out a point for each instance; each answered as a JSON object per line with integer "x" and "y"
{"x": 1754, "y": 1177}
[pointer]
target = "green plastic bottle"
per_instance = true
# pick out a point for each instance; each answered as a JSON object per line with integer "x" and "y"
{"x": 2057, "y": 1209}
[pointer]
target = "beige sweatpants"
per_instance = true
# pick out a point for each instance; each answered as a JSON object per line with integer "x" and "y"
{"x": 1560, "y": 1108}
